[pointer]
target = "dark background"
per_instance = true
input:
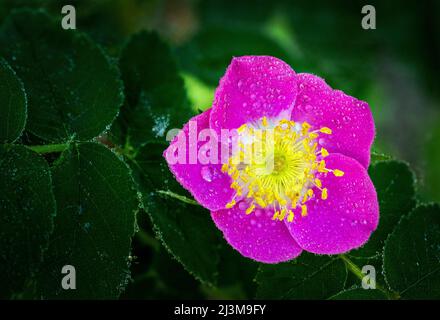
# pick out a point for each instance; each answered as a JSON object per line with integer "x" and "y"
{"x": 394, "y": 68}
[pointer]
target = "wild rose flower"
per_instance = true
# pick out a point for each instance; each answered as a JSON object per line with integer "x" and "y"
{"x": 308, "y": 189}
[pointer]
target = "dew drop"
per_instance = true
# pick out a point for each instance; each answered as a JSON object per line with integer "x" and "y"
{"x": 242, "y": 205}
{"x": 258, "y": 212}
{"x": 87, "y": 226}
{"x": 346, "y": 119}
{"x": 207, "y": 173}
{"x": 281, "y": 97}
{"x": 309, "y": 107}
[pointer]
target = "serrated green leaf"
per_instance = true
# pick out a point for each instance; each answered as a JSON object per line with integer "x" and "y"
{"x": 179, "y": 283}
{"x": 394, "y": 183}
{"x": 307, "y": 277}
{"x": 359, "y": 294}
{"x": 27, "y": 208}
{"x": 12, "y": 104}
{"x": 412, "y": 254}
{"x": 186, "y": 230}
{"x": 188, "y": 233}
{"x": 156, "y": 100}
{"x": 165, "y": 279}
{"x": 71, "y": 86}
{"x": 95, "y": 222}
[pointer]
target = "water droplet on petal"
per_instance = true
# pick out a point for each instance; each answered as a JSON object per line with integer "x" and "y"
{"x": 242, "y": 205}
{"x": 207, "y": 173}
{"x": 346, "y": 119}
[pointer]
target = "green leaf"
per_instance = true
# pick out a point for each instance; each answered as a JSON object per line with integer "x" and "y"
{"x": 72, "y": 88}
{"x": 359, "y": 294}
{"x": 237, "y": 272}
{"x": 27, "y": 208}
{"x": 186, "y": 230}
{"x": 12, "y": 104}
{"x": 431, "y": 169}
{"x": 394, "y": 183}
{"x": 155, "y": 94}
{"x": 412, "y": 254}
{"x": 307, "y": 277}
{"x": 179, "y": 283}
{"x": 188, "y": 233}
{"x": 95, "y": 222}
{"x": 164, "y": 279}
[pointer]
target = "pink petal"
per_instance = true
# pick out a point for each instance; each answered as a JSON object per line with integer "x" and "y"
{"x": 350, "y": 119}
{"x": 208, "y": 185}
{"x": 256, "y": 236}
{"x": 346, "y": 219}
{"x": 253, "y": 87}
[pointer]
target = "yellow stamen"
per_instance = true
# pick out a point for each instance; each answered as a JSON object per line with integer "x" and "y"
{"x": 324, "y": 194}
{"x": 291, "y": 216}
{"x": 250, "y": 209}
{"x": 318, "y": 183}
{"x": 338, "y": 173}
{"x": 305, "y": 128}
{"x": 305, "y": 198}
{"x": 230, "y": 204}
{"x": 325, "y": 130}
{"x": 241, "y": 128}
{"x": 275, "y": 166}
{"x": 282, "y": 214}
{"x": 321, "y": 166}
{"x": 260, "y": 202}
{"x": 303, "y": 210}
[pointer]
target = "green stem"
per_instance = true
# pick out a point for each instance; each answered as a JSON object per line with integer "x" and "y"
{"x": 49, "y": 148}
{"x": 352, "y": 267}
{"x": 178, "y": 197}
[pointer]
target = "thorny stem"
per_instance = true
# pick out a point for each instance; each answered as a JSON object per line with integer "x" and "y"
{"x": 353, "y": 268}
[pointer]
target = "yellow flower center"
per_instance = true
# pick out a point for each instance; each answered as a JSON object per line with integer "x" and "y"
{"x": 275, "y": 164}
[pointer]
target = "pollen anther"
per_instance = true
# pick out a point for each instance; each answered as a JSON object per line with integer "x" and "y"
{"x": 276, "y": 167}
